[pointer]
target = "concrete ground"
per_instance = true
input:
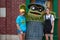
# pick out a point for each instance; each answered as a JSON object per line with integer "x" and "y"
{"x": 9, "y": 37}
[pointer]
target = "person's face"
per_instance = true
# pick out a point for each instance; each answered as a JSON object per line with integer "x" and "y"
{"x": 22, "y": 12}
{"x": 47, "y": 11}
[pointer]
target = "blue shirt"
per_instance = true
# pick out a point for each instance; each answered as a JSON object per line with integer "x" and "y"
{"x": 20, "y": 20}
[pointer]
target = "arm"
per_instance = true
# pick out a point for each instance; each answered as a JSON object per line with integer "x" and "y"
{"x": 17, "y": 23}
{"x": 52, "y": 24}
{"x": 17, "y": 26}
{"x": 52, "y": 27}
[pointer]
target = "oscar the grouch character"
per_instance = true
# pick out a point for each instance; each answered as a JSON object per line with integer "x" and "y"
{"x": 35, "y": 20}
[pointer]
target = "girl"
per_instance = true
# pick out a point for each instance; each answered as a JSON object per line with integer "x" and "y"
{"x": 21, "y": 24}
{"x": 49, "y": 24}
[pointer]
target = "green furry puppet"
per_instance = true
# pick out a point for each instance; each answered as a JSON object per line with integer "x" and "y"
{"x": 35, "y": 12}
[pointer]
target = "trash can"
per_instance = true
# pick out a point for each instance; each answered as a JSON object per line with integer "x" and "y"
{"x": 34, "y": 30}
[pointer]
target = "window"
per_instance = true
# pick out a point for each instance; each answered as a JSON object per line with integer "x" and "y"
{"x": 2, "y": 12}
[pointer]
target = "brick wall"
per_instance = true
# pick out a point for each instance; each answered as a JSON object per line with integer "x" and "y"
{"x": 2, "y": 26}
{"x": 2, "y": 3}
{"x": 7, "y": 24}
{"x": 2, "y": 19}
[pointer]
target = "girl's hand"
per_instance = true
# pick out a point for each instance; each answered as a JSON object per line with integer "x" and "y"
{"x": 51, "y": 31}
{"x": 21, "y": 31}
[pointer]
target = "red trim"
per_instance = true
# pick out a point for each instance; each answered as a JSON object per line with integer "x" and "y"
{"x": 59, "y": 20}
